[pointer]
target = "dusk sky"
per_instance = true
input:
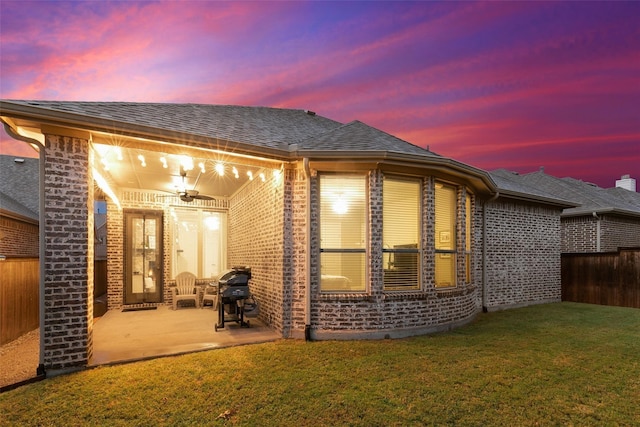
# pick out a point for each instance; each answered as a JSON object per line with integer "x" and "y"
{"x": 515, "y": 85}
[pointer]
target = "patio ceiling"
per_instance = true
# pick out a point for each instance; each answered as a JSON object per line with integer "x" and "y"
{"x": 210, "y": 173}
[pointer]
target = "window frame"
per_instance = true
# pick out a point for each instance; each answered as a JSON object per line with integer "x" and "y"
{"x": 392, "y": 252}
{"x": 365, "y": 250}
{"x": 201, "y": 214}
{"x": 453, "y": 238}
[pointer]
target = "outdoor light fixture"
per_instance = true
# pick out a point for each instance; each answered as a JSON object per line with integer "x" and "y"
{"x": 142, "y": 162}
{"x": 163, "y": 160}
{"x": 262, "y": 177}
{"x": 235, "y": 172}
{"x": 250, "y": 175}
{"x": 201, "y": 166}
{"x": 220, "y": 168}
{"x": 186, "y": 162}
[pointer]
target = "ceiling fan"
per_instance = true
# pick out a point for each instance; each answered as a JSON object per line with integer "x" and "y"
{"x": 186, "y": 195}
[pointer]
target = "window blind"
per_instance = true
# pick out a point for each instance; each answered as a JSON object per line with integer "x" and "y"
{"x": 445, "y": 238}
{"x": 343, "y": 215}
{"x": 401, "y": 233}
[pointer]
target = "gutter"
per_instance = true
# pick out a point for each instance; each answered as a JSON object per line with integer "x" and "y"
{"x": 307, "y": 305}
{"x": 484, "y": 251}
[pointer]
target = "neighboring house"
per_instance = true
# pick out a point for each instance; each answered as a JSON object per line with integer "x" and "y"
{"x": 350, "y": 232}
{"x": 603, "y": 220}
{"x": 19, "y": 198}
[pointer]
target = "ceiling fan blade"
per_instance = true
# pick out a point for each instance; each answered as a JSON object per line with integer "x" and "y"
{"x": 202, "y": 197}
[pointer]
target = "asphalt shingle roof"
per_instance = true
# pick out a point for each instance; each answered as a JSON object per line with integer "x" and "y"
{"x": 275, "y": 128}
{"x": 357, "y": 136}
{"x": 19, "y": 185}
{"x": 10, "y": 205}
{"x": 511, "y": 183}
{"x": 262, "y": 126}
{"x": 590, "y": 197}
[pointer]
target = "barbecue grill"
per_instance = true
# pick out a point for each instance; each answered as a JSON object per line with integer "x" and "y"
{"x": 233, "y": 290}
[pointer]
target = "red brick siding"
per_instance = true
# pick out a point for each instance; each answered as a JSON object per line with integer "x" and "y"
{"x": 18, "y": 238}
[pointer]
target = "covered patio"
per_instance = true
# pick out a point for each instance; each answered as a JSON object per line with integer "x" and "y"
{"x": 126, "y": 336}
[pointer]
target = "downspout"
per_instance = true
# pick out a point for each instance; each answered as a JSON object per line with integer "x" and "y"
{"x": 484, "y": 251}
{"x": 307, "y": 306}
{"x": 41, "y": 229}
{"x": 40, "y": 371}
{"x": 598, "y": 219}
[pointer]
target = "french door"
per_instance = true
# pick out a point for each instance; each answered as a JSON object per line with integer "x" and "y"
{"x": 143, "y": 257}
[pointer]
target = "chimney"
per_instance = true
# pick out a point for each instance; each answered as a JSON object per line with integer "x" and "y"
{"x": 627, "y": 183}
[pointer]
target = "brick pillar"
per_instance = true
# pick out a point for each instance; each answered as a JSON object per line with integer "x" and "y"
{"x": 68, "y": 260}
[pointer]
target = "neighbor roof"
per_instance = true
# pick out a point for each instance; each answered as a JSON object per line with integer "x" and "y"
{"x": 19, "y": 183}
{"x": 12, "y": 208}
{"x": 590, "y": 197}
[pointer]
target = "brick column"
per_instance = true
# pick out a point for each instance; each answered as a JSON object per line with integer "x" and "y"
{"x": 68, "y": 260}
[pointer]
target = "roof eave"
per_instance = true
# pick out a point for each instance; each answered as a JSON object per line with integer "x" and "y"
{"x": 18, "y": 217}
{"x": 37, "y": 117}
{"x": 536, "y": 199}
{"x": 600, "y": 211}
{"x": 441, "y": 167}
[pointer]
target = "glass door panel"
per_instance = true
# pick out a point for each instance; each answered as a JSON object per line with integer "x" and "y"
{"x": 143, "y": 257}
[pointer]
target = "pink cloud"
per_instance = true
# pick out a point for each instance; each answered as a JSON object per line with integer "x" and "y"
{"x": 474, "y": 81}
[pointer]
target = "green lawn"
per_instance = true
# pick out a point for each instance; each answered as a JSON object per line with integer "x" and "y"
{"x": 555, "y": 364}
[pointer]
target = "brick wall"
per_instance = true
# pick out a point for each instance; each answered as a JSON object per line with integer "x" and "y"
{"x": 523, "y": 254}
{"x": 18, "y": 238}
{"x": 143, "y": 201}
{"x": 619, "y": 232}
{"x": 257, "y": 223}
{"x": 68, "y": 283}
{"x": 579, "y": 234}
{"x": 379, "y": 314}
{"x": 115, "y": 257}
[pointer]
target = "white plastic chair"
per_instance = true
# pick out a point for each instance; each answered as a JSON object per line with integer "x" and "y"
{"x": 185, "y": 289}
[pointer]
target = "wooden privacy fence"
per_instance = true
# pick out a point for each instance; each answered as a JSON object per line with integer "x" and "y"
{"x": 19, "y": 302}
{"x": 611, "y": 278}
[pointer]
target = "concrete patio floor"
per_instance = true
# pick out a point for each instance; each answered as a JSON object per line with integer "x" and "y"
{"x": 138, "y": 335}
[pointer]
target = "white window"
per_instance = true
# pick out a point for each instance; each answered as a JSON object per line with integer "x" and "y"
{"x": 445, "y": 238}
{"x": 343, "y": 233}
{"x": 401, "y": 233}
{"x": 198, "y": 242}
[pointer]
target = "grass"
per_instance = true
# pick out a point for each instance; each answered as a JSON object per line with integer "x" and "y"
{"x": 555, "y": 364}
